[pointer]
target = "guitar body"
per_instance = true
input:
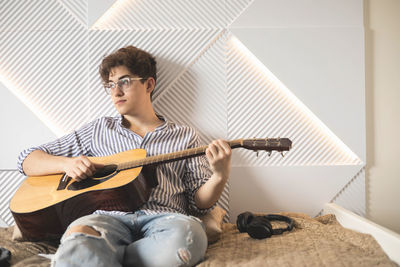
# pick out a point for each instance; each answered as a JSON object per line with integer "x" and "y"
{"x": 42, "y": 210}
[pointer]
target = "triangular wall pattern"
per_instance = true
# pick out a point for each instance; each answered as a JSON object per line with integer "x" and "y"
{"x": 273, "y": 189}
{"x": 22, "y": 128}
{"x": 50, "y": 76}
{"x": 7, "y": 190}
{"x": 78, "y": 9}
{"x": 36, "y": 16}
{"x": 260, "y": 105}
{"x": 198, "y": 95}
{"x": 170, "y": 14}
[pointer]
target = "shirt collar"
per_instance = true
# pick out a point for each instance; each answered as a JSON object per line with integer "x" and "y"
{"x": 163, "y": 126}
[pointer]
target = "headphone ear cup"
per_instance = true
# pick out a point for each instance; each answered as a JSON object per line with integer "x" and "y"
{"x": 243, "y": 220}
{"x": 260, "y": 228}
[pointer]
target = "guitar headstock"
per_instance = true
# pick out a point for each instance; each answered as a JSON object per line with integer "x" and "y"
{"x": 268, "y": 144}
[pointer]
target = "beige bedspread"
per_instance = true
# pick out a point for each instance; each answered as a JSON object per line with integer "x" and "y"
{"x": 317, "y": 241}
{"x": 321, "y": 241}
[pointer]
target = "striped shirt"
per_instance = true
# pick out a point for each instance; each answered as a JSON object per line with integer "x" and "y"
{"x": 178, "y": 181}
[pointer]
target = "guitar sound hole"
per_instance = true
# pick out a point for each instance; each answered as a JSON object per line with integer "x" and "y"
{"x": 105, "y": 171}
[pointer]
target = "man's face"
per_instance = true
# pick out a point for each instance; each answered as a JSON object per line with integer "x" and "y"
{"x": 129, "y": 94}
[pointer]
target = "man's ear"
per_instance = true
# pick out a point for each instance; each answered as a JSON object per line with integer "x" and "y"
{"x": 150, "y": 84}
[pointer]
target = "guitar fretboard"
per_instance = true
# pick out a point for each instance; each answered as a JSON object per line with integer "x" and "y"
{"x": 174, "y": 156}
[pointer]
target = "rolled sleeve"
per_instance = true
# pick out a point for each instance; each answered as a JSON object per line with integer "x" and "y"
{"x": 22, "y": 156}
{"x": 71, "y": 145}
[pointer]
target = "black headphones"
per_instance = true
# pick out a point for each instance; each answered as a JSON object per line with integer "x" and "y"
{"x": 259, "y": 227}
{"x": 5, "y": 256}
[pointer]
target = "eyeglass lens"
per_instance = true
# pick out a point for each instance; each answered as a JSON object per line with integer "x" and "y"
{"x": 122, "y": 84}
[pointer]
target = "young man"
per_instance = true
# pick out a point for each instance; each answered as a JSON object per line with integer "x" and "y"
{"x": 161, "y": 232}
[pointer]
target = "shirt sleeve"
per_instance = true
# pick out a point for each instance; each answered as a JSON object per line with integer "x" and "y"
{"x": 197, "y": 173}
{"x": 71, "y": 145}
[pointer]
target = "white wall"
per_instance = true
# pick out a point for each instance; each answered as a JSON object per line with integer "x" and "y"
{"x": 232, "y": 69}
{"x": 382, "y": 24}
{"x": 316, "y": 49}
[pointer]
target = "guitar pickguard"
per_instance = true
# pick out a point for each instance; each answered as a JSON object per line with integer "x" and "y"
{"x": 99, "y": 177}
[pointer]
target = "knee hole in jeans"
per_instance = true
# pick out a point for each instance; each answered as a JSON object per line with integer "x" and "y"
{"x": 83, "y": 229}
{"x": 184, "y": 255}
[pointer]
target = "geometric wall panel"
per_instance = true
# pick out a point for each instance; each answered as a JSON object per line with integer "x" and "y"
{"x": 321, "y": 70}
{"x": 272, "y": 189}
{"x": 78, "y": 9}
{"x": 171, "y": 14}
{"x": 260, "y": 105}
{"x": 20, "y": 128}
{"x": 352, "y": 197}
{"x": 292, "y": 14}
{"x": 43, "y": 15}
{"x": 188, "y": 99}
{"x": 9, "y": 182}
{"x": 98, "y": 9}
{"x": 47, "y": 75}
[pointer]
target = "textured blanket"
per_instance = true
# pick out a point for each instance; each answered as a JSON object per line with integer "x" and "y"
{"x": 320, "y": 241}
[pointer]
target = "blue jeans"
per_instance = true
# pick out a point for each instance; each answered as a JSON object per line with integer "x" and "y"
{"x": 166, "y": 239}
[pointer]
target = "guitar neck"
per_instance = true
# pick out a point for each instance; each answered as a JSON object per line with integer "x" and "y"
{"x": 174, "y": 156}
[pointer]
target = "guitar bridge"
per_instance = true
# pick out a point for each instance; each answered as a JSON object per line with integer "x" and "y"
{"x": 63, "y": 182}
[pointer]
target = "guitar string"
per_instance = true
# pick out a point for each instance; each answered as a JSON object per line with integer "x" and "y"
{"x": 171, "y": 156}
{"x": 273, "y": 143}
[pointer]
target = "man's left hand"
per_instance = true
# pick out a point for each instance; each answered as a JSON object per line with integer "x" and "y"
{"x": 219, "y": 156}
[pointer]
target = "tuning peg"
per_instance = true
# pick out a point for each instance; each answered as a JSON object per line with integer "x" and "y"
{"x": 256, "y": 153}
{"x": 269, "y": 153}
{"x": 283, "y": 155}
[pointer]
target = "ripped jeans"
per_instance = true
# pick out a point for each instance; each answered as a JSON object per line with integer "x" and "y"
{"x": 166, "y": 239}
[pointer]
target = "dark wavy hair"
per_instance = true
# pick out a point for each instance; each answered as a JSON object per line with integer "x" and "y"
{"x": 137, "y": 61}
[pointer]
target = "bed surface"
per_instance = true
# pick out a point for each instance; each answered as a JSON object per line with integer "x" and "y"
{"x": 319, "y": 241}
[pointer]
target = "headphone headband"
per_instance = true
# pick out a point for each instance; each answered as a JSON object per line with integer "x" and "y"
{"x": 276, "y": 217}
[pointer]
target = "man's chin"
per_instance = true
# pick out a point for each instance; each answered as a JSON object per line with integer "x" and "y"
{"x": 121, "y": 110}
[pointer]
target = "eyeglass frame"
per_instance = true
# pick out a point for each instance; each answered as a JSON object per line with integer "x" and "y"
{"x": 117, "y": 84}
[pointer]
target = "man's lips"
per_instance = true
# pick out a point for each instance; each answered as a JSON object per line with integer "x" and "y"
{"x": 120, "y": 102}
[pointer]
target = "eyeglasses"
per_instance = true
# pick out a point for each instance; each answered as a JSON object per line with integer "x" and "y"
{"x": 123, "y": 84}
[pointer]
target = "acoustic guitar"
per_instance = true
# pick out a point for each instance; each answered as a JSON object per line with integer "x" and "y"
{"x": 43, "y": 206}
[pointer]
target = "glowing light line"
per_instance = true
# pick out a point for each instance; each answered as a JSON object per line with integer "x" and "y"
{"x": 293, "y": 100}
{"x": 32, "y": 106}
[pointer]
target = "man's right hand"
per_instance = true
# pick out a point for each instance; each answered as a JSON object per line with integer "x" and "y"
{"x": 80, "y": 168}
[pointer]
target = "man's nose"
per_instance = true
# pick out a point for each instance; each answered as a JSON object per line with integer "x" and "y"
{"x": 117, "y": 91}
